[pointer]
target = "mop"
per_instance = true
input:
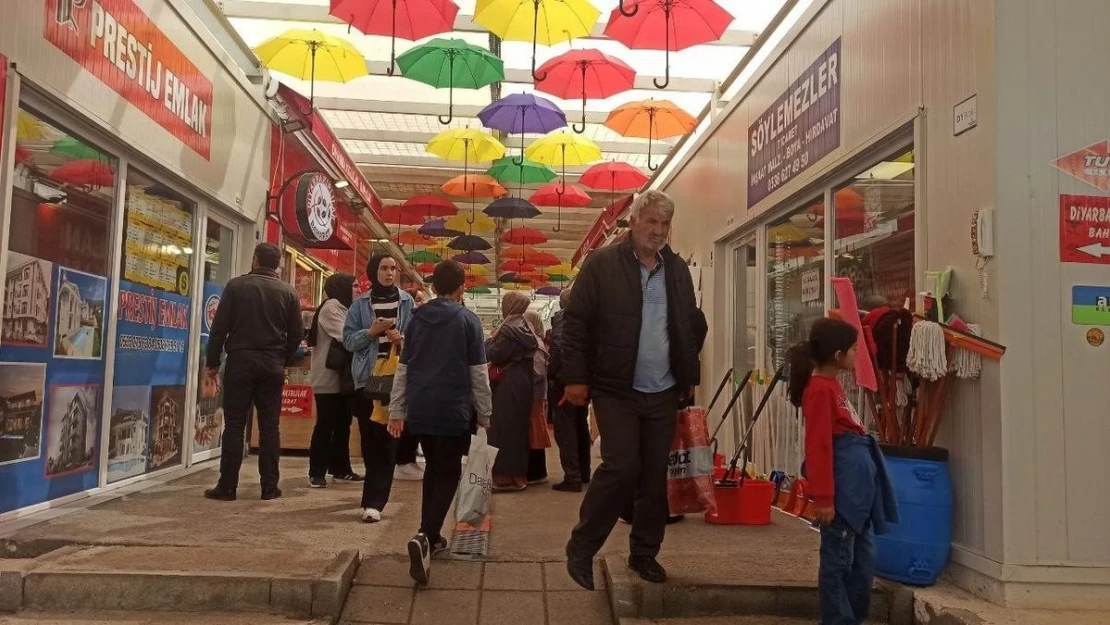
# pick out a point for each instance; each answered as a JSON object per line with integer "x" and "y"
{"x": 728, "y": 480}
{"x": 927, "y": 359}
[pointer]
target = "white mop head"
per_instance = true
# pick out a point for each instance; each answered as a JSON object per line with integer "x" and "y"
{"x": 966, "y": 363}
{"x": 927, "y": 356}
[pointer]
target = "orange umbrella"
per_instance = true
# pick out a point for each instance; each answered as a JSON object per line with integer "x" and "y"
{"x": 651, "y": 119}
{"x": 474, "y": 186}
{"x": 473, "y": 281}
{"x": 412, "y": 237}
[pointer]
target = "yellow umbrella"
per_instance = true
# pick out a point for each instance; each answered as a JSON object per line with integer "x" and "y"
{"x": 560, "y": 149}
{"x": 440, "y": 248}
{"x": 540, "y": 21}
{"x": 466, "y": 145}
{"x": 561, "y": 269}
{"x": 28, "y": 128}
{"x": 476, "y": 270}
{"x": 481, "y": 223}
{"x": 310, "y": 54}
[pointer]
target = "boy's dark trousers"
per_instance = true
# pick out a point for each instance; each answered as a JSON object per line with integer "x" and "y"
{"x": 846, "y": 573}
{"x": 442, "y": 470}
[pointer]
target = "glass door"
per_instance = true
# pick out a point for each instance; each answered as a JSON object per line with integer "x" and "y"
{"x": 744, "y": 309}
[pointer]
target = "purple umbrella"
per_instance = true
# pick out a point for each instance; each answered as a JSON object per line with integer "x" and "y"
{"x": 522, "y": 113}
{"x": 437, "y": 228}
{"x": 549, "y": 290}
{"x": 471, "y": 258}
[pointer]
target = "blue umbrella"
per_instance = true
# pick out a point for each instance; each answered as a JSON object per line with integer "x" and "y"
{"x": 522, "y": 113}
{"x": 437, "y": 228}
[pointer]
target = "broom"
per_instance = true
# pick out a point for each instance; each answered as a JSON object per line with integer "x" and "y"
{"x": 727, "y": 479}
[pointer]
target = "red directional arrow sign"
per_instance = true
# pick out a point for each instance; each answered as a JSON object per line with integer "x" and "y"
{"x": 1090, "y": 164}
{"x": 1085, "y": 229}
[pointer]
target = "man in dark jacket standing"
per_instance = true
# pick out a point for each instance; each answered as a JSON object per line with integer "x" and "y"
{"x": 629, "y": 345}
{"x": 442, "y": 378}
{"x": 572, "y": 427}
{"x": 258, "y": 323}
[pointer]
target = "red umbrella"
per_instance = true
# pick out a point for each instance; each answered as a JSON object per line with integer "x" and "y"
{"x": 407, "y": 19}
{"x": 541, "y": 259}
{"x": 523, "y": 236}
{"x": 669, "y": 25}
{"x": 86, "y": 172}
{"x": 517, "y": 266}
{"x": 586, "y": 74}
{"x": 397, "y": 214}
{"x": 22, "y": 154}
{"x": 431, "y": 206}
{"x": 613, "y": 176}
{"x": 553, "y": 194}
{"x": 426, "y": 267}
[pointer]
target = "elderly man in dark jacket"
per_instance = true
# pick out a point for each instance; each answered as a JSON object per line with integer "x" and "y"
{"x": 631, "y": 346}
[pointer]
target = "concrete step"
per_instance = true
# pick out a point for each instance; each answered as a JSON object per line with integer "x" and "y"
{"x": 293, "y": 583}
{"x": 721, "y": 620}
{"x": 115, "y": 617}
{"x": 698, "y": 597}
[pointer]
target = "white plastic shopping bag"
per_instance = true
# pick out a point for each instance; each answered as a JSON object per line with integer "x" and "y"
{"x": 476, "y": 485}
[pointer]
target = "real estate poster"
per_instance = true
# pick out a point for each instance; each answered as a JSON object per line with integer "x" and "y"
{"x": 210, "y": 414}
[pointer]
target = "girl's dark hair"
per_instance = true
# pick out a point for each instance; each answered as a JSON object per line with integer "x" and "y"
{"x": 826, "y": 338}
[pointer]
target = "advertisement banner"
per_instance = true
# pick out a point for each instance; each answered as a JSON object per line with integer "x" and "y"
{"x": 798, "y": 129}
{"x": 152, "y": 336}
{"x": 296, "y": 401}
{"x": 119, "y": 44}
{"x": 1090, "y": 305}
{"x": 1085, "y": 229}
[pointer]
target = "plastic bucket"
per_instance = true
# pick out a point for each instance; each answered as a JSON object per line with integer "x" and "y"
{"x": 916, "y": 548}
{"x": 747, "y": 505}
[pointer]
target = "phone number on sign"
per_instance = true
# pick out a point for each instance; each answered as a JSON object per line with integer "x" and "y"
{"x": 151, "y": 344}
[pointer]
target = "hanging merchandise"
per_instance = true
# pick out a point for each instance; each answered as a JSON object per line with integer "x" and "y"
{"x": 926, "y": 356}
{"x": 968, "y": 364}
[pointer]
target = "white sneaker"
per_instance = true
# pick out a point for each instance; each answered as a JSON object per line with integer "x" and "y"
{"x": 408, "y": 472}
{"x": 370, "y": 515}
{"x": 420, "y": 556}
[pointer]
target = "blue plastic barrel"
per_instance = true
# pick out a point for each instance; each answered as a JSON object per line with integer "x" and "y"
{"x": 917, "y": 547}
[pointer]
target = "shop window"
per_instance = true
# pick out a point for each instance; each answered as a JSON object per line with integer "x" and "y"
{"x": 219, "y": 249}
{"x": 147, "y": 420}
{"x": 795, "y": 279}
{"x": 56, "y": 287}
{"x": 874, "y": 232}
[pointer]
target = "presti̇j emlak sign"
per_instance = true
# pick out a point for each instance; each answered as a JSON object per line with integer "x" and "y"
{"x": 801, "y": 127}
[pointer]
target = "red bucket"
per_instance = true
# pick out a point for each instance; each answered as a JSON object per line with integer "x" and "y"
{"x": 747, "y": 505}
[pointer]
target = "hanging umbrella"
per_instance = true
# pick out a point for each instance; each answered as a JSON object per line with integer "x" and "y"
{"x": 651, "y": 119}
{"x": 510, "y": 278}
{"x": 436, "y": 228}
{"x": 521, "y": 171}
{"x": 475, "y": 269}
{"x": 615, "y": 176}
{"x": 517, "y": 266}
{"x": 472, "y": 257}
{"x": 479, "y": 290}
{"x": 523, "y": 236}
{"x": 559, "y": 277}
{"x": 562, "y": 149}
{"x": 311, "y": 55}
{"x": 408, "y": 19}
{"x": 423, "y": 257}
{"x": 589, "y": 74}
{"x": 414, "y": 238}
{"x": 439, "y": 248}
{"x": 540, "y": 259}
{"x": 469, "y": 243}
{"x": 522, "y": 113}
{"x": 559, "y": 196}
{"x": 473, "y": 223}
{"x": 22, "y": 154}
{"x": 75, "y": 148}
{"x": 473, "y": 186}
{"x": 563, "y": 269}
{"x": 85, "y": 173}
{"x": 669, "y": 25}
{"x": 476, "y": 281}
{"x": 451, "y": 63}
{"x": 466, "y": 145}
{"x": 552, "y": 291}
{"x": 397, "y": 214}
{"x": 425, "y": 267}
{"x": 27, "y": 128}
{"x": 431, "y": 206}
{"x": 511, "y": 208}
{"x": 546, "y": 22}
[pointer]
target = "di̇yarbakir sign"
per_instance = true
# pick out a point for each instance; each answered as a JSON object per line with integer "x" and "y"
{"x": 119, "y": 44}
{"x": 801, "y": 127}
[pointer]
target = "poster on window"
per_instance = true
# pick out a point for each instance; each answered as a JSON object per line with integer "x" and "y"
{"x": 22, "y": 389}
{"x": 210, "y": 413}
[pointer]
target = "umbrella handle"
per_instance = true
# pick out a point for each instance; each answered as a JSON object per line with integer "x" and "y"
{"x": 575, "y": 127}
{"x": 393, "y": 42}
{"x": 535, "y": 35}
{"x": 627, "y": 13}
{"x": 450, "y": 96}
{"x": 667, "y": 48}
{"x": 559, "y": 220}
{"x": 650, "y": 166}
{"x": 521, "y": 161}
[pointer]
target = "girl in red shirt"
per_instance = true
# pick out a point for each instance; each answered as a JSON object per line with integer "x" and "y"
{"x": 845, "y": 470}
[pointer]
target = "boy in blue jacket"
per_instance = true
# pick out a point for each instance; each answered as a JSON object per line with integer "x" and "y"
{"x": 441, "y": 379}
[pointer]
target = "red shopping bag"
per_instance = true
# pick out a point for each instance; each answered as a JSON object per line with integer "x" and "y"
{"x": 690, "y": 471}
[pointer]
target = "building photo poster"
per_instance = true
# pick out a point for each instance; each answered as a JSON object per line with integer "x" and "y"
{"x": 210, "y": 413}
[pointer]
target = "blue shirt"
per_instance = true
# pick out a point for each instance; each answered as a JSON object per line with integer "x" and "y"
{"x": 653, "y": 359}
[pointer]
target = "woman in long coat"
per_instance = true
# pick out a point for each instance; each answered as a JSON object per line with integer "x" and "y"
{"x": 511, "y": 349}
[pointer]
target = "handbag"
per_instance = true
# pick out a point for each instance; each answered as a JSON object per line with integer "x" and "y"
{"x": 379, "y": 386}
{"x": 338, "y": 359}
{"x": 495, "y": 374}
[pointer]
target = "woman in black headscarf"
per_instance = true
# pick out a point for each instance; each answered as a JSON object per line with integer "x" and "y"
{"x": 332, "y": 386}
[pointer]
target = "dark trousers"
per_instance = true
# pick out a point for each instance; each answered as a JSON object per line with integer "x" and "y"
{"x": 636, "y": 432}
{"x": 846, "y": 573}
{"x": 572, "y": 435}
{"x": 537, "y": 466}
{"x": 251, "y": 380}
{"x": 379, "y": 453}
{"x": 442, "y": 470}
{"x": 406, "y": 449}
{"x": 329, "y": 451}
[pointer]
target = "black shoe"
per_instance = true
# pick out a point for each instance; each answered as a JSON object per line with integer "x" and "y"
{"x": 270, "y": 493}
{"x": 440, "y": 546}
{"x": 568, "y": 487}
{"x": 675, "y": 519}
{"x": 347, "y": 477}
{"x": 419, "y": 559}
{"x": 317, "y": 482}
{"x": 220, "y": 494}
{"x": 581, "y": 570}
{"x": 648, "y": 568}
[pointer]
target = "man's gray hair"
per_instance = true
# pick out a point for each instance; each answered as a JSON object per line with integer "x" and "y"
{"x": 657, "y": 199}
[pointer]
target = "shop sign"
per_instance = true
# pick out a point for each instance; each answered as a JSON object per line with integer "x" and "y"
{"x": 1085, "y": 229}
{"x": 811, "y": 285}
{"x": 1090, "y": 305}
{"x": 965, "y": 116}
{"x": 118, "y": 43}
{"x": 799, "y": 128}
{"x": 308, "y": 208}
{"x": 296, "y": 401}
{"x": 1090, "y": 164}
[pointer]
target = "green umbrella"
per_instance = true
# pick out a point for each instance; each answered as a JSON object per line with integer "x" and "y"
{"x": 451, "y": 63}
{"x": 479, "y": 290}
{"x": 508, "y": 171}
{"x": 559, "y": 277}
{"x": 75, "y": 148}
{"x": 423, "y": 256}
